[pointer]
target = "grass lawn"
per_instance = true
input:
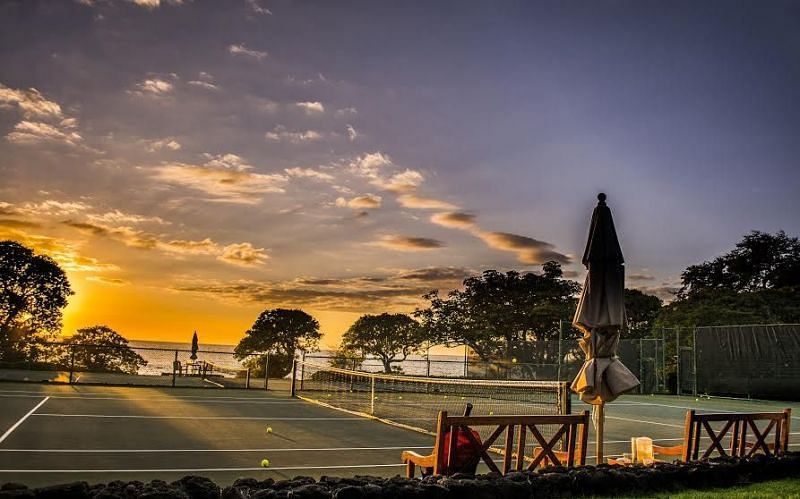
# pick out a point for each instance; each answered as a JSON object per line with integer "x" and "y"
{"x": 789, "y": 487}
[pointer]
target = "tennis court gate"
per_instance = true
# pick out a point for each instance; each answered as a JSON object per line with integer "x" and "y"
{"x": 752, "y": 361}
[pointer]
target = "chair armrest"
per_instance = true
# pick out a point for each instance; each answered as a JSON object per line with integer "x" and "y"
{"x": 418, "y": 459}
{"x": 674, "y": 450}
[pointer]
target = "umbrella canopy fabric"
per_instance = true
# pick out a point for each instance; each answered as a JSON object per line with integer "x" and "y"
{"x": 195, "y": 346}
{"x": 601, "y": 313}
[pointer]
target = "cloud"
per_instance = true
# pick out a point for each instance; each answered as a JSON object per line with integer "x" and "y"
{"x": 298, "y": 172}
{"x": 405, "y": 181}
{"x": 528, "y": 249}
{"x": 167, "y": 143}
{"x": 258, "y": 9}
{"x": 369, "y": 165}
{"x": 110, "y": 281}
{"x": 408, "y": 243}
{"x": 37, "y": 133}
{"x": 640, "y": 277}
{"x": 311, "y": 107}
{"x": 418, "y": 202}
{"x": 228, "y": 161}
{"x": 153, "y": 87}
{"x": 64, "y": 252}
{"x": 348, "y": 111}
{"x": 280, "y": 134}
{"x": 18, "y": 224}
{"x": 351, "y": 133}
{"x": 243, "y": 254}
{"x": 203, "y": 84}
{"x": 454, "y": 220}
{"x": 52, "y": 207}
{"x": 118, "y": 217}
{"x": 368, "y": 201}
{"x": 154, "y": 4}
{"x": 220, "y": 183}
{"x": 436, "y": 274}
{"x": 31, "y": 103}
{"x": 240, "y": 49}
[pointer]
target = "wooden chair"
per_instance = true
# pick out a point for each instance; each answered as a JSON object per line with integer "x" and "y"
{"x": 737, "y": 425}
{"x": 573, "y": 429}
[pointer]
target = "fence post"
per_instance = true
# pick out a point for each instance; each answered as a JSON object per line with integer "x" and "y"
{"x": 372, "y": 396}
{"x": 428, "y": 362}
{"x": 560, "y": 353}
{"x": 302, "y": 368}
{"x": 293, "y": 391}
{"x": 694, "y": 361}
{"x": 641, "y": 367}
{"x": 466, "y": 372}
{"x": 678, "y": 360}
{"x": 71, "y": 363}
{"x": 266, "y": 373}
{"x": 247, "y": 379}
{"x": 174, "y": 367}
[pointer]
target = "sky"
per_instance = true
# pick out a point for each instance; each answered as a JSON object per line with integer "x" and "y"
{"x": 192, "y": 163}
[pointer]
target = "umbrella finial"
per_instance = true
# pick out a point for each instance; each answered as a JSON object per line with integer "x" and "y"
{"x": 601, "y": 198}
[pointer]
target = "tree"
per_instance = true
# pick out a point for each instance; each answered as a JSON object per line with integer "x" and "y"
{"x": 759, "y": 261}
{"x": 281, "y": 332}
{"x": 756, "y": 282}
{"x": 33, "y": 292}
{"x": 390, "y": 337}
{"x": 641, "y": 311}
{"x": 502, "y": 315}
{"x": 100, "y": 348}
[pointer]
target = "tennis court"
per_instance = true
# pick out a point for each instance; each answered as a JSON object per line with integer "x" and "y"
{"x": 61, "y": 433}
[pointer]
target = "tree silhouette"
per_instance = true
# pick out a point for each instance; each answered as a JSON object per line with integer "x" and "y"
{"x": 641, "y": 311}
{"x": 282, "y": 332}
{"x": 502, "y": 315}
{"x": 390, "y": 337}
{"x": 33, "y": 292}
{"x": 100, "y": 348}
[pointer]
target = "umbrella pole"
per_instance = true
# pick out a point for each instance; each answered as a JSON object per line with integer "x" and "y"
{"x": 601, "y": 418}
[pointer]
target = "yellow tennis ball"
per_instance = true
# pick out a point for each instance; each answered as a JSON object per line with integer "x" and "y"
{"x": 462, "y": 398}
{"x": 400, "y": 397}
{"x": 269, "y": 429}
{"x": 265, "y": 463}
{"x": 697, "y": 400}
{"x": 491, "y": 413}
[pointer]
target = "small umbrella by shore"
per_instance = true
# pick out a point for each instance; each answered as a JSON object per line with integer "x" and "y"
{"x": 601, "y": 317}
{"x": 195, "y": 346}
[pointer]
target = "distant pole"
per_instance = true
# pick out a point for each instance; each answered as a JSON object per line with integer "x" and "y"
{"x": 560, "y": 354}
{"x": 678, "y": 360}
{"x": 599, "y": 433}
{"x": 428, "y": 361}
{"x": 266, "y": 373}
{"x": 694, "y": 362}
{"x": 293, "y": 391}
{"x": 247, "y": 379}
{"x": 302, "y": 368}
{"x": 466, "y": 372}
{"x": 71, "y": 363}
{"x": 174, "y": 368}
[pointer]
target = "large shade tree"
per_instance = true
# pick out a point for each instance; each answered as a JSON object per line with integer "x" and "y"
{"x": 281, "y": 332}
{"x": 33, "y": 293}
{"x": 756, "y": 282}
{"x": 100, "y": 348}
{"x": 503, "y": 315}
{"x": 389, "y": 337}
{"x": 641, "y": 312}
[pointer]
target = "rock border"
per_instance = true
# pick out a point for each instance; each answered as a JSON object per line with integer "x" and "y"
{"x": 603, "y": 480}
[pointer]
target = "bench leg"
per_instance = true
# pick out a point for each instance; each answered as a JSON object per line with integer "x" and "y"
{"x": 410, "y": 466}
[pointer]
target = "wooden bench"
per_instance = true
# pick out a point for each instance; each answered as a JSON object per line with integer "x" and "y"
{"x": 572, "y": 429}
{"x": 736, "y": 425}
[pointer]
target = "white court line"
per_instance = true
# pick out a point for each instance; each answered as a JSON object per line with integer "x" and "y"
{"x": 218, "y": 385}
{"x": 208, "y": 470}
{"x": 22, "y": 419}
{"x": 146, "y": 451}
{"x": 214, "y": 400}
{"x": 232, "y": 418}
{"x": 60, "y": 394}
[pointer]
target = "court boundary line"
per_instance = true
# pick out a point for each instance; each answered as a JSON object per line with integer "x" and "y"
{"x": 200, "y": 418}
{"x": 22, "y": 420}
{"x": 204, "y": 470}
{"x": 62, "y": 394}
{"x": 163, "y": 451}
{"x": 211, "y": 400}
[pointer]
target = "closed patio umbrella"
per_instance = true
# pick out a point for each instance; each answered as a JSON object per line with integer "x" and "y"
{"x": 195, "y": 346}
{"x": 601, "y": 317}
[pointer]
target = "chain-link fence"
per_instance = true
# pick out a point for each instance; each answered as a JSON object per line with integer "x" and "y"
{"x": 63, "y": 362}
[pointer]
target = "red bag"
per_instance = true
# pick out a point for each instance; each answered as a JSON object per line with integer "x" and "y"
{"x": 467, "y": 456}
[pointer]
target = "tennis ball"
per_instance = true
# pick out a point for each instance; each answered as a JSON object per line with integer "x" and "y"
{"x": 269, "y": 429}
{"x": 491, "y": 413}
{"x": 265, "y": 463}
{"x": 462, "y": 398}
{"x": 697, "y": 400}
{"x": 400, "y": 397}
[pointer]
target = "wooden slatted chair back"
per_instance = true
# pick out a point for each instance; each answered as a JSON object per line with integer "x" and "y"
{"x": 745, "y": 437}
{"x": 572, "y": 429}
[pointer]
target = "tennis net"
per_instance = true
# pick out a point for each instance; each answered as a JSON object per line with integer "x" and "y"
{"x": 414, "y": 402}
